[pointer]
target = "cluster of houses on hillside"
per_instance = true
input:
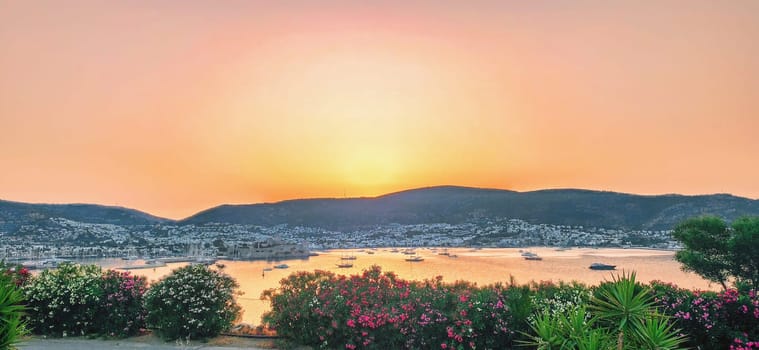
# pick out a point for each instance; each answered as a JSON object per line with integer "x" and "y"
{"x": 75, "y": 239}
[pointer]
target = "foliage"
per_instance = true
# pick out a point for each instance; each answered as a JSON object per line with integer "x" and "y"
{"x": 122, "y": 312}
{"x": 558, "y": 299}
{"x": 712, "y": 320}
{"x": 621, "y": 314}
{"x": 18, "y": 274}
{"x": 718, "y": 252}
{"x": 744, "y": 248}
{"x": 65, "y": 301}
{"x": 192, "y": 302}
{"x": 11, "y": 309}
{"x": 377, "y": 310}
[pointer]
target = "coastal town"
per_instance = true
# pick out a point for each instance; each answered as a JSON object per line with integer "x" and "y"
{"x": 63, "y": 238}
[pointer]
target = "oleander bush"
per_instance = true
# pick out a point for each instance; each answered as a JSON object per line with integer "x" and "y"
{"x": 122, "y": 309}
{"x": 85, "y": 300}
{"x": 723, "y": 320}
{"x": 192, "y": 302}
{"x": 377, "y": 310}
{"x": 65, "y": 301}
{"x": 11, "y": 307}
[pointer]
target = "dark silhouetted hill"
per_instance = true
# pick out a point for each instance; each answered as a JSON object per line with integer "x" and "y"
{"x": 15, "y": 214}
{"x": 461, "y": 204}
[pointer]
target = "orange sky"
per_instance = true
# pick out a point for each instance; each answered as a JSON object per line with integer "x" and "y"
{"x": 175, "y": 106}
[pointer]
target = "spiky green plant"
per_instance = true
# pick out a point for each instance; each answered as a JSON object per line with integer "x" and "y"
{"x": 623, "y": 302}
{"x": 627, "y": 308}
{"x": 11, "y": 309}
{"x": 656, "y": 333}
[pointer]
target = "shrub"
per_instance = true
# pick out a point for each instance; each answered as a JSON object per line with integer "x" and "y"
{"x": 193, "y": 302}
{"x": 65, "y": 301}
{"x": 376, "y": 310}
{"x": 122, "y": 311}
{"x": 620, "y": 312}
{"x": 712, "y": 320}
{"x": 11, "y": 309}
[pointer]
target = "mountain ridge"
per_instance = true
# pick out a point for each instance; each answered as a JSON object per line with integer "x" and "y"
{"x": 576, "y": 207}
{"x": 451, "y": 204}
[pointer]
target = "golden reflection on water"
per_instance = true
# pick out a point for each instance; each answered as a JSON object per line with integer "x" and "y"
{"x": 484, "y": 266}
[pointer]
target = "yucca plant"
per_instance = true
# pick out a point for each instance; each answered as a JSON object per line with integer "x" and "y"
{"x": 627, "y": 308}
{"x": 657, "y": 334}
{"x": 11, "y": 309}
{"x": 574, "y": 330}
{"x": 622, "y": 302}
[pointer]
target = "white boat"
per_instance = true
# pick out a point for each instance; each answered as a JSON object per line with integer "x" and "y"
{"x": 348, "y": 257}
{"x": 345, "y": 265}
{"x": 415, "y": 258}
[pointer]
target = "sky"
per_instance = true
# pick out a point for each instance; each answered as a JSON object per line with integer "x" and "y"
{"x": 172, "y": 107}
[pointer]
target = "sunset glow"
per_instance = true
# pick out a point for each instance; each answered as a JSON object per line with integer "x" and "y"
{"x": 172, "y": 107}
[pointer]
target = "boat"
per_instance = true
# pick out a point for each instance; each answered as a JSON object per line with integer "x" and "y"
{"x": 600, "y": 266}
{"x": 281, "y": 266}
{"x": 348, "y": 257}
{"x": 409, "y": 252}
{"x": 453, "y": 256}
{"x": 345, "y": 265}
{"x": 268, "y": 269}
{"x": 370, "y": 252}
{"x": 415, "y": 258}
{"x": 203, "y": 261}
{"x": 444, "y": 252}
{"x": 533, "y": 257}
{"x": 528, "y": 254}
{"x": 150, "y": 264}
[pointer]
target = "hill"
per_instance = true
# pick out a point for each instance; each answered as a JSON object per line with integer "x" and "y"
{"x": 452, "y": 204}
{"x": 14, "y": 215}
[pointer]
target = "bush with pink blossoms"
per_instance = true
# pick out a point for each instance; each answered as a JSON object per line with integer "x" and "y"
{"x": 122, "y": 311}
{"x": 377, "y": 310}
{"x": 712, "y": 320}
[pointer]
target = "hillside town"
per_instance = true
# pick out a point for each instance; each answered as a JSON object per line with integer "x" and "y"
{"x": 66, "y": 238}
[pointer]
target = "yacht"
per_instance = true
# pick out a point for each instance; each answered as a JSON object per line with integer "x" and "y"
{"x": 344, "y": 265}
{"x": 600, "y": 266}
{"x": 415, "y": 258}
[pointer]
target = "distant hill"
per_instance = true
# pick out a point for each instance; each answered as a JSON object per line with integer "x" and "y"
{"x": 13, "y": 215}
{"x": 459, "y": 204}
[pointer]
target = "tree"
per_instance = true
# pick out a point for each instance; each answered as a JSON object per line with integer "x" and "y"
{"x": 718, "y": 252}
{"x": 744, "y": 247}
